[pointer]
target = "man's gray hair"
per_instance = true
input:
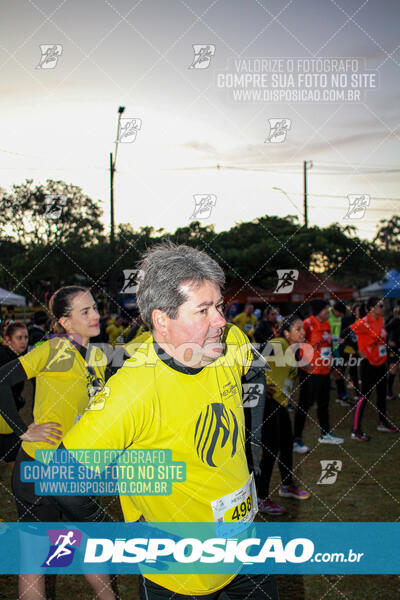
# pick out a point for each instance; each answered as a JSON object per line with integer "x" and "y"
{"x": 163, "y": 270}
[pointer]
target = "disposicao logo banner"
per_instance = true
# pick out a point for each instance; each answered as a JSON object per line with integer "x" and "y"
{"x": 302, "y": 548}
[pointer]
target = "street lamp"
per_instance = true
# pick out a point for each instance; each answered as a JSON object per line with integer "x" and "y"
{"x": 113, "y": 162}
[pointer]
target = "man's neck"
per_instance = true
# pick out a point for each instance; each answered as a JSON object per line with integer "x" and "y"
{"x": 165, "y": 352}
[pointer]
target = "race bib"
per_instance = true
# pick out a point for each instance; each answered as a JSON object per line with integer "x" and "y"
{"x": 335, "y": 339}
{"x": 325, "y": 352}
{"x": 382, "y": 350}
{"x": 287, "y": 387}
{"x": 237, "y": 507}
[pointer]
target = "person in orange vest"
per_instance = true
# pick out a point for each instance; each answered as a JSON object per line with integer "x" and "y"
{"x": 372, "y": 348}
{"x": 314, "y": 380}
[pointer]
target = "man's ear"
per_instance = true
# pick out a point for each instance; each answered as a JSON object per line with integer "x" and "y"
{"x": 62, "y": 321}
{"x": 160, "y": 321}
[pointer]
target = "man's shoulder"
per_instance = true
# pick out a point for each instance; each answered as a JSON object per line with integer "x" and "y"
{"x": 234, "y": 335}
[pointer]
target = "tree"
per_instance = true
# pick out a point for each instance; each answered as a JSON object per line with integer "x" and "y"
{"x": 388, "y": 235}
{"x": 49, "y": 214}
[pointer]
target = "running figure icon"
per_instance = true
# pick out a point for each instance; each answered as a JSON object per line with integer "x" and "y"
{"x": 62, "y": 550}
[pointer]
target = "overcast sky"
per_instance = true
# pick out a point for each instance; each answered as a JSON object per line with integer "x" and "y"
{"x": 60, "y": 122}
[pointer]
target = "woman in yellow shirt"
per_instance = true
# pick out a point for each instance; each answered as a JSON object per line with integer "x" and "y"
{"x": 64, "y": 381}
{"x": 277, "y": 436}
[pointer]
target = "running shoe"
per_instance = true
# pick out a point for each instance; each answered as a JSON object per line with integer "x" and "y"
{"x": 299, "y": 447}
{"x": 328, "y": 438}
{"x": 269, "y": 507}
{"x": 390, "y": 397}
{"x": 293, "y": 491}
{"x": 387, "y": 428}
{"x": 360, "y": 436}
{"x": 344, "y": 401}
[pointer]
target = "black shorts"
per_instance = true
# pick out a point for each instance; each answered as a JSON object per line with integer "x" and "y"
{"x": 30, "y": 507}
{"x": 243, "y": 587}
{"x": 9, "y": 446}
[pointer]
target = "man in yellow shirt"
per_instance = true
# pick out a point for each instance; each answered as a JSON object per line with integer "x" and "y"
{"x": 182, "y": 390}
{"x": 247, "y": 321}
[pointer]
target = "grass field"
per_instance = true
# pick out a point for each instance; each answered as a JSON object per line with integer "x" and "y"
{"x": 367, "y": 489}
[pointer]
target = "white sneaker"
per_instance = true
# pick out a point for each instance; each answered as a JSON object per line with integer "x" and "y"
{"x": 328, "y": 438}
{"x": 300, "y": 448}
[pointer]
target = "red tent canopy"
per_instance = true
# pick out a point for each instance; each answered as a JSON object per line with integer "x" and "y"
{"x": 308, "y": 285}
{"x": 242, "y": 292}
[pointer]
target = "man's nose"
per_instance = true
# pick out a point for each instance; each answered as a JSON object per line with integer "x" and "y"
{"x": 218, "y": 321}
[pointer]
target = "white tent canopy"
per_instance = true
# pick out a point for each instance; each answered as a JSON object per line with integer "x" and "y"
{"x": 11, "y": 299}
{"x": 374, "y": 289}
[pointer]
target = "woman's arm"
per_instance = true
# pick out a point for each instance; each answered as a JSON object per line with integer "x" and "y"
{"x": 10, "y": 374}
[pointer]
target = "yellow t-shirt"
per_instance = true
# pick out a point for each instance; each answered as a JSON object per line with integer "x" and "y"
{"x": 282, "y": 375}
{"x": 150, "y": 405}
{"x": 116, "y": 333}
{"x": 137, "y": 341}
{"x": 246, "y": 323}
{"x": 63, "y": 383}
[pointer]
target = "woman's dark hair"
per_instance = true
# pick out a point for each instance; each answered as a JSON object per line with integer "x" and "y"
{"x": 12, "y": 327}
{"x": 340, "y": 307}
{"x": 372, "y": 301}
{"x": 287, "y": 323}
{"x": 362, "y": 308}
{"x": 60, "y": 304}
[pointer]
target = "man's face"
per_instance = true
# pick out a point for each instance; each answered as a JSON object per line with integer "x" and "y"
{"x": 248, "y": 309}
{"x": 195, "y": 335}
{"x": 324, "y": 314}
{"x": 337, "y": 313}
{"x": 273, "y": 315}
{"x": 379, "y": 309}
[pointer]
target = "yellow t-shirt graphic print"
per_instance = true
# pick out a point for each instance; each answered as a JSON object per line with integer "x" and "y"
{"x": 216, "y": 424}
{"x": 199, "y": 417}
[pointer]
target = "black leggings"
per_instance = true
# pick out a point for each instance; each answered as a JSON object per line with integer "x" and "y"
{"x": 313, "y": 388}
{"x": 277, "y": 440}
{"x": 249, "y": 587}
{"x": 372, "y": 378}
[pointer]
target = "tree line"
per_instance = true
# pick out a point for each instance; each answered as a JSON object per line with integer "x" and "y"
{"x": 53, "y": 232}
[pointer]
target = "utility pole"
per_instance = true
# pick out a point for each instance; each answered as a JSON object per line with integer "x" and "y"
{"x": 112, "y": 239}
{"x": 113, "y": 162}
{"x": 307, "y": 165}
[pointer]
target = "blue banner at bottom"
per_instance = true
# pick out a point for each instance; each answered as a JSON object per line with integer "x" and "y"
{"x": 200, "y": 548}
